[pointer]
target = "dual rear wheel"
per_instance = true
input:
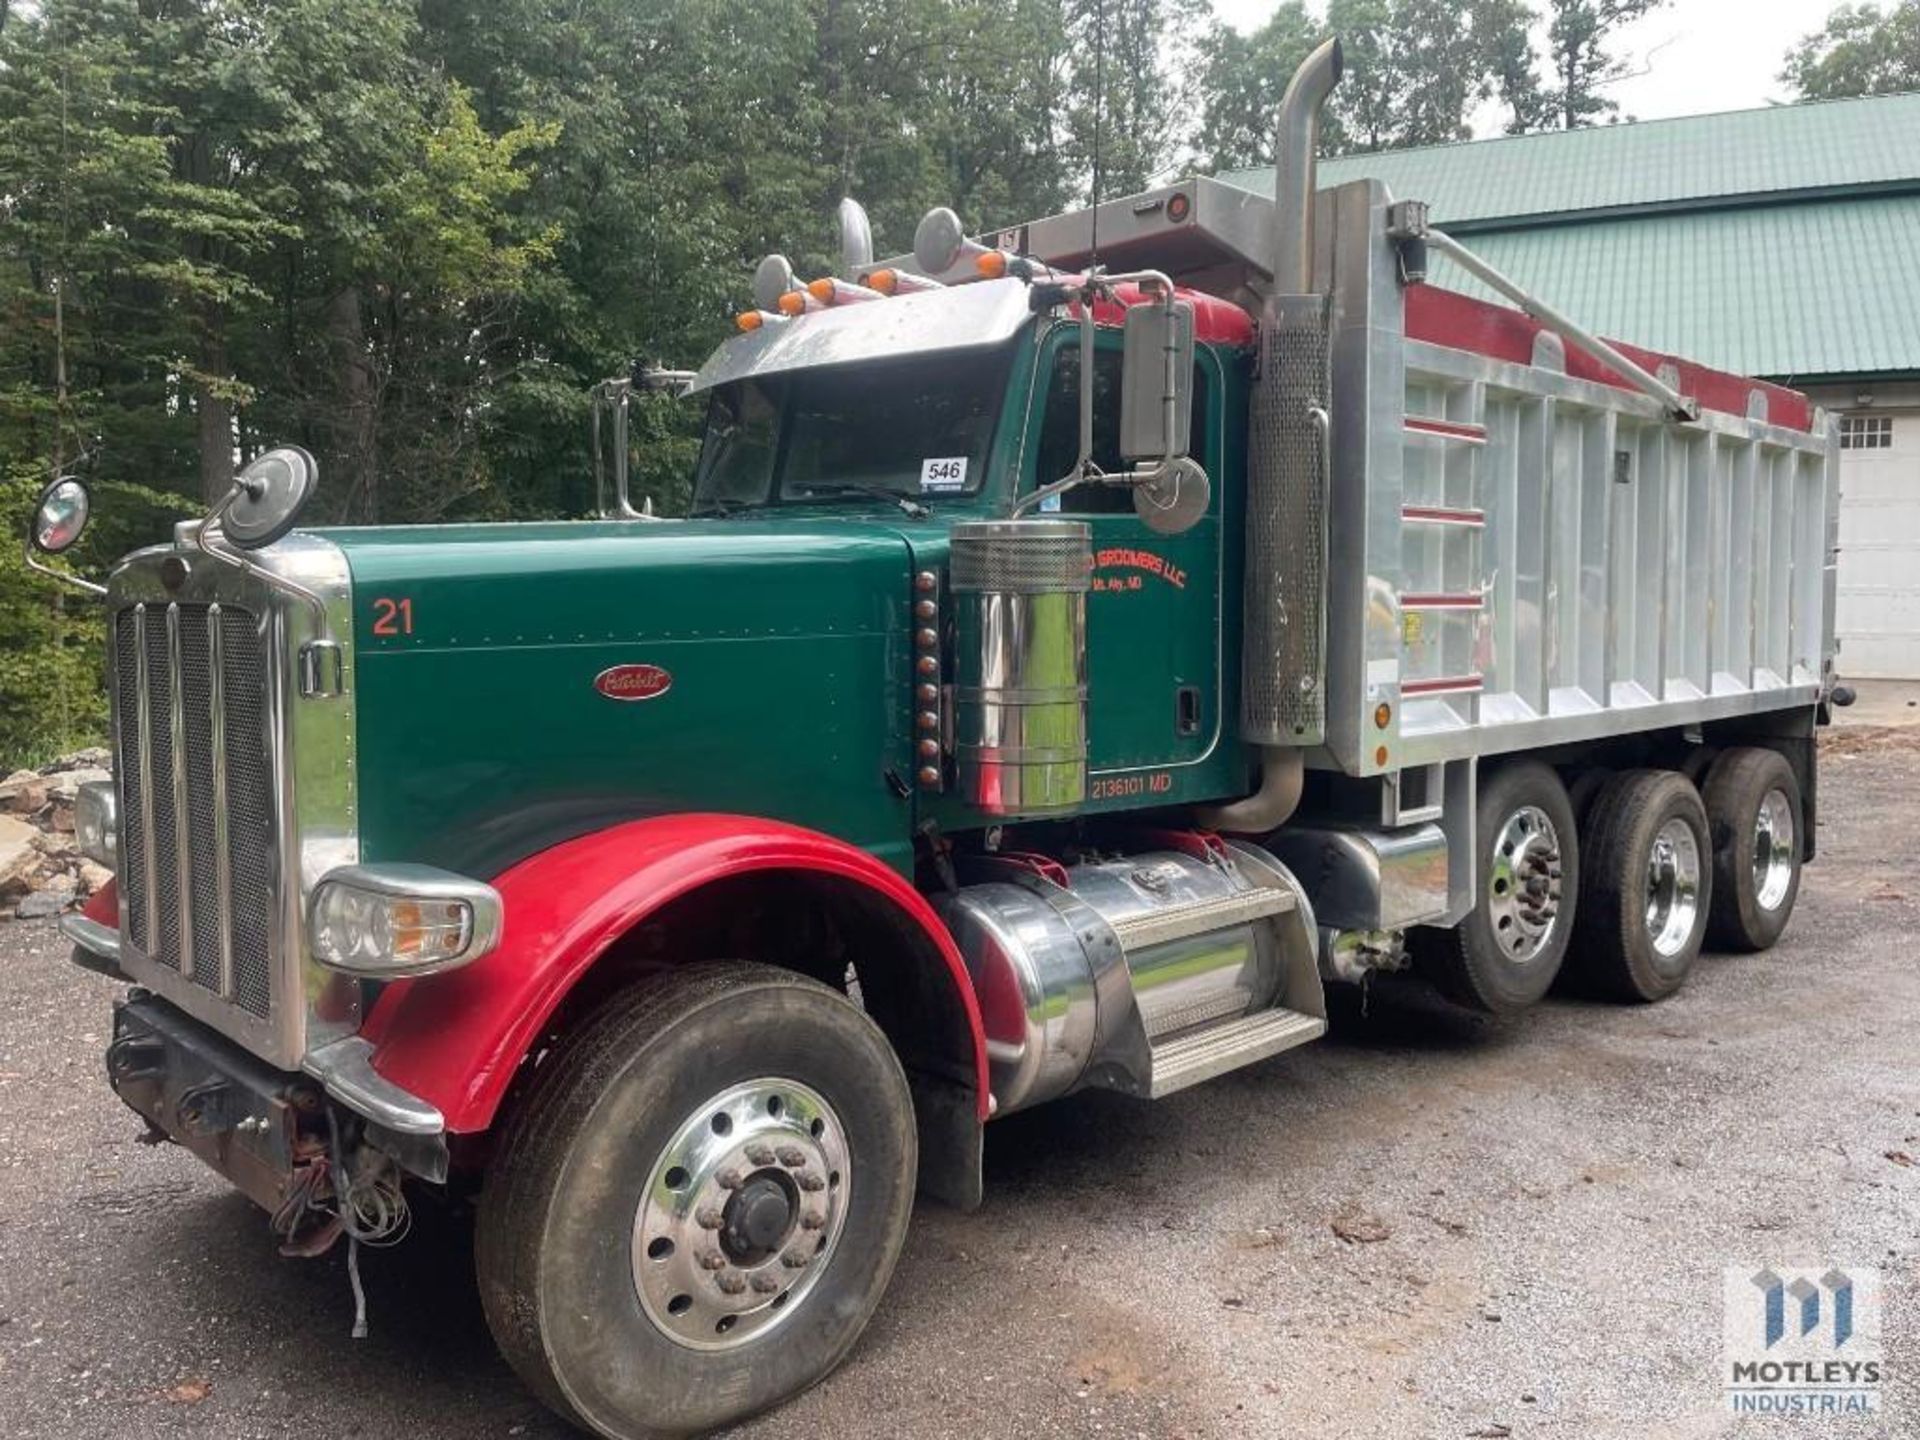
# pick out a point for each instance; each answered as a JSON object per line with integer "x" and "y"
{"x": 1617, "y": 886}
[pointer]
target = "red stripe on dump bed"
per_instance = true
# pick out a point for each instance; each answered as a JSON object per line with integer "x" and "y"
{"x": 1445, "y": 685}
{"x": 1460, "y": 322}
{"x": 1449, "y": 429}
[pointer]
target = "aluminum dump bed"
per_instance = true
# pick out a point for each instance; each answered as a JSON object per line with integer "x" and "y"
{"x": 1521, "y": 550}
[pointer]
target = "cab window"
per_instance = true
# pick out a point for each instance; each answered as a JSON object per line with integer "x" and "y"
{"x": 1059, "y": 443}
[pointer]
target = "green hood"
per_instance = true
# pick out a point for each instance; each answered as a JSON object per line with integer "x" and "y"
{"x": 777, "y": 650}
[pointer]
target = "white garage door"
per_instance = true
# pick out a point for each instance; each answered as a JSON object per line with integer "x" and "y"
{"x": 1878, "y": 619}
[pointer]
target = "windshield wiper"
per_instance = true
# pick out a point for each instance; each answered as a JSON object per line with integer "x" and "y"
{"x": 877, "y": 492}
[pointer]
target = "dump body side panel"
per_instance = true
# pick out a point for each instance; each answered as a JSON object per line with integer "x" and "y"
{"x": 1523, "y": 552}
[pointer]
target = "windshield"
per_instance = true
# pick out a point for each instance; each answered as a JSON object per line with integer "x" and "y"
{"x": 907, "y": 428}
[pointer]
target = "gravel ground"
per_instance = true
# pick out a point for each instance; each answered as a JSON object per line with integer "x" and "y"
{"x": 1557, "y": 1195}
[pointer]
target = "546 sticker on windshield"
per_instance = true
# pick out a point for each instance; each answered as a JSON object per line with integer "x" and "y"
{"x": 938, "y": 476}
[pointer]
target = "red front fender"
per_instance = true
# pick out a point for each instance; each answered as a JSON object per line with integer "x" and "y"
{"x": 457, "y": 1039}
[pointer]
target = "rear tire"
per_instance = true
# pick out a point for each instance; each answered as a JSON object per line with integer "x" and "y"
{"x": 1503, "y": 957}
{"x": 1649, "y": 882}
{"x": 699, "y": 1202}
{"x": 1753, "y": 813}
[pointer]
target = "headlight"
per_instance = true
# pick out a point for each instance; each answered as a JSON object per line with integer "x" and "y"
{"x": 385, "y": 921}
{"x": 96, "y": 822}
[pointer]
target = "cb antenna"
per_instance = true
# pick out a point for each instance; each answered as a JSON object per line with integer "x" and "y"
{"x": 1099, "y": 111}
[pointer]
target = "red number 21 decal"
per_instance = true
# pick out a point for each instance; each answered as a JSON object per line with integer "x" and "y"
{"x": 392, "y": 617}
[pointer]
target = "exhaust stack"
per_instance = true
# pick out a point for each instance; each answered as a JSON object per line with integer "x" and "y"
{"x": 1283, "y": 657}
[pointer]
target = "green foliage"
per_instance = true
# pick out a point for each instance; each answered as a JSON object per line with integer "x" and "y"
{"x": 1415, "y": 72}
{"x": 52, "y": 637}
{"x": 1580, "y": 64}
{"x": 409, "y": 234}
{"x": 1862, "y": 50}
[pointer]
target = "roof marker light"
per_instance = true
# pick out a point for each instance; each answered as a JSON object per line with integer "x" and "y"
{"x": 829, "y": 291}
{"x": 889, "y": 281}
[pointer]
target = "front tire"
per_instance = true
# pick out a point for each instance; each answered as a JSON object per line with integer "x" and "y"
{"x": 1503, "y": 957}
{"x": 697, "y": 1206}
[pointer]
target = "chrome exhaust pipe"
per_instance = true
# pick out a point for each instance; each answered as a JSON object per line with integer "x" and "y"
{"x": 1286, "y": 409}
{"x": 1296, "y": 167}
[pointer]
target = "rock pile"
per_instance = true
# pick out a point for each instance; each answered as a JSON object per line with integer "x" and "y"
{"x": 42, "y": 871}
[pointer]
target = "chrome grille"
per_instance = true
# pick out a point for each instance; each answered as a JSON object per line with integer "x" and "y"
{"x": 196, "y": 818}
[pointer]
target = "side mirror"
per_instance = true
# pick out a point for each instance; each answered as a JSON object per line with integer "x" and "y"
{"x": 1156, "y": 382}
{"x": 60, "y": 516}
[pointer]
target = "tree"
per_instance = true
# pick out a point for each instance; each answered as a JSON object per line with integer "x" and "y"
{"x": 1580, "y": 62}
{"x": 1415, "y": 72}
{"x": 1862, "y": 50}
{"x": 1129, "y": 62}
{"x": 1239, "y": 82}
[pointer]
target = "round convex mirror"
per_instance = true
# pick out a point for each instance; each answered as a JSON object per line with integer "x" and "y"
{"x": 273, "y": 488}
{"x": 1173, "y": 503}
{"x": 60, "y": 516}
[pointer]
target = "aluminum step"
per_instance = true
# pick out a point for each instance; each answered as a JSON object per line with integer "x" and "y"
{"x": 1202, "y": 1054}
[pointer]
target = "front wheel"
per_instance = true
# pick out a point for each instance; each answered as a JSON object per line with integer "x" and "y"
{"x": 699, "y": 1203}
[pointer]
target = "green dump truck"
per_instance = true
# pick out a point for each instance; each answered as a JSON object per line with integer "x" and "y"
{"x": 1090, "y": 640}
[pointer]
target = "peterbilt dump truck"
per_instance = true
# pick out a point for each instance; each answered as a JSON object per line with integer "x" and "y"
{"x": 1089, "y": 642}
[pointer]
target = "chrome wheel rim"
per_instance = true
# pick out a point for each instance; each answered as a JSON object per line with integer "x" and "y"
{"x": 1773, "y": 850}
{"x": 742, "y": 1212}
{"x": 1673, "y": 887}
{"x": 1524, "y": 884}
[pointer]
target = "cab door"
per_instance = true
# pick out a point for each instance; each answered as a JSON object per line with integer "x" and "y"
{"x": 1154, "y": 612}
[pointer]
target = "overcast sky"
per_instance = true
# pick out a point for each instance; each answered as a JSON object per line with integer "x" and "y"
{"x": 1698, "y": 56}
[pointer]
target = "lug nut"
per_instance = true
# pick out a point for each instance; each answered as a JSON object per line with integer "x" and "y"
{"x": 708, "y": 1217}
{"x": 731, "y": 1282}
{"x": 792, "y": 1156}
{"x": 795, "y": 1259}
{"x": 713, "y": 1260}
{"x": 729, "y": 1179}
{"x": 765, "y": 1283}
{"x": 813, "y": 1220}
{"x": 809, "y": 1181}
{"x": 760, "y": 1154}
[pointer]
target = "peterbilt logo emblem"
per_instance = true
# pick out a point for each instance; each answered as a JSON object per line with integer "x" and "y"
{"x": 633, "y": 682}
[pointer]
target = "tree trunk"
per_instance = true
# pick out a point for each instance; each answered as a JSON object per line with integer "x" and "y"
{"x": 215, "y": 416}
{"x": 353, "y": 425}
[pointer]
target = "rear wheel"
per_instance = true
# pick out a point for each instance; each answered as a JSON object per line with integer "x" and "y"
{"x": 1505, "y": 954}
{"x": 1649, "y": 879}
{"x": 1753, "y": 813}
{"x": 699, "y": 1203}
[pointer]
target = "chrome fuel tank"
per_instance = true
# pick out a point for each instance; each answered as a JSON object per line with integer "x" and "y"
{"x": 1081, "y": 970}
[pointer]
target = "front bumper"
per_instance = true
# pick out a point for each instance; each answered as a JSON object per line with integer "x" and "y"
{"x": 236, "y": 1112}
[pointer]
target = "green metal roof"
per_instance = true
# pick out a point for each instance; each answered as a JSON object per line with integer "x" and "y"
{"x": 1782, "y": 243}
{"x": 1743, "y": 155}
{"x": 1789, "y": 292}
